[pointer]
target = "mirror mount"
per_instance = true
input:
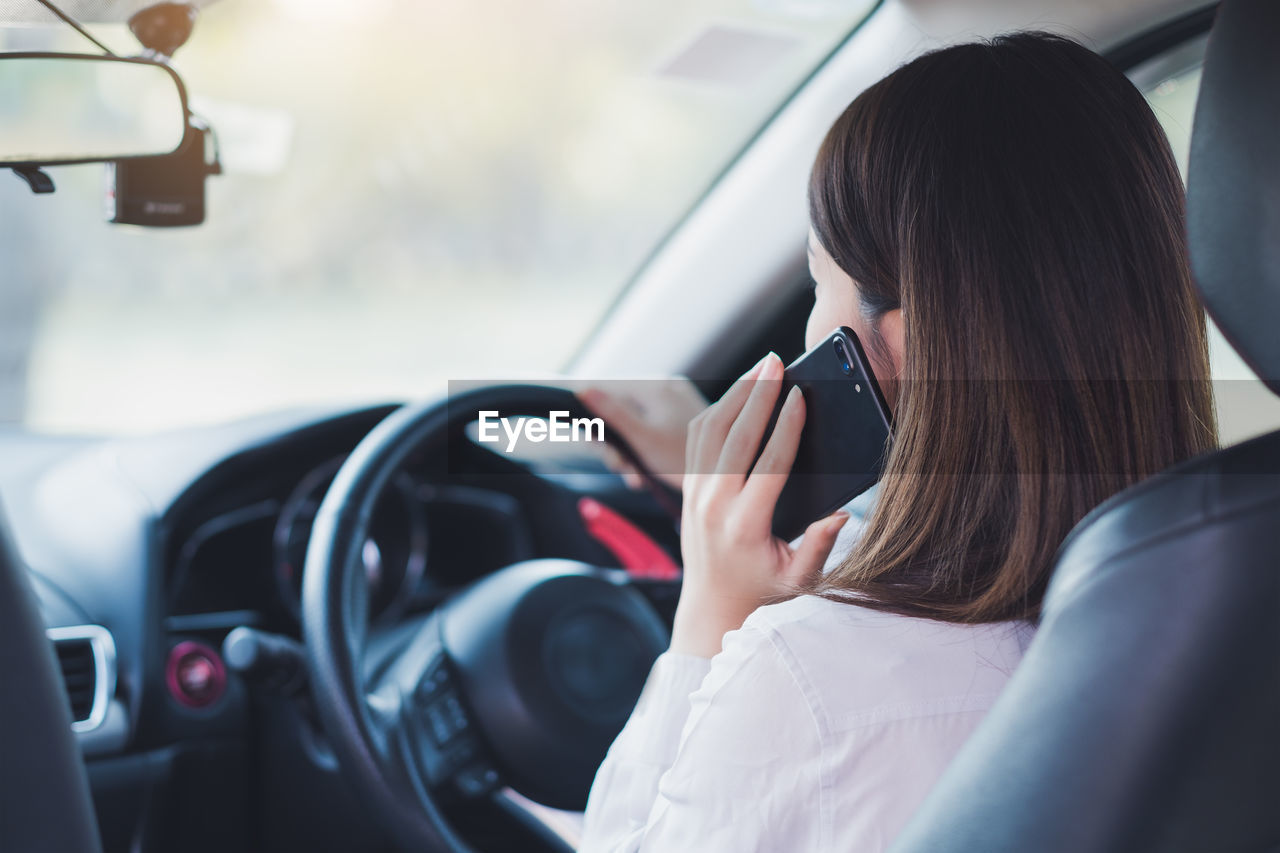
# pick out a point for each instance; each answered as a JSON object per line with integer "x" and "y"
{"x": 163, "y": 28}
{"x": 38, "y": 179}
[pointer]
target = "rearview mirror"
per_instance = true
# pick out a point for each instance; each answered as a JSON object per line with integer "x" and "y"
{"x": 62, "y": 108}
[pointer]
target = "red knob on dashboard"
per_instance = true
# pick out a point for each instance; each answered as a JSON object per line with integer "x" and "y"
{"x": 195, "y": 674}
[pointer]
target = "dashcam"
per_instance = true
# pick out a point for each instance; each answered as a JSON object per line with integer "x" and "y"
{"x": 165, "y": 191}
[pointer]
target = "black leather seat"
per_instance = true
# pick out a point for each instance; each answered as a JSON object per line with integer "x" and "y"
{"x": 1146, "y": 713}
{"x": 44, "y": 793}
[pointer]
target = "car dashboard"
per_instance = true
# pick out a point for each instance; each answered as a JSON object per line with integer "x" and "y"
{"x": 244, "y": 564}
{"x": 145, "y": 552}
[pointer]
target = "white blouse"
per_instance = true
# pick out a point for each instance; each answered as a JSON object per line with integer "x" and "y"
{"x": 820, "y": 726}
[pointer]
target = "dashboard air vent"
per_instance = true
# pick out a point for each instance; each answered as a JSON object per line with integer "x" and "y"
{"x": 86, "y": 655}
{"x": 76, "y": 659}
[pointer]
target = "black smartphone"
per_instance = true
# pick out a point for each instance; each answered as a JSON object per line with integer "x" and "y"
{"x": 846, "y": 433}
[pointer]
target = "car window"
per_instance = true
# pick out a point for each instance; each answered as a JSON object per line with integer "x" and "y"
{"x": 1245, "y": 407}
{"x": 414, "y": 192}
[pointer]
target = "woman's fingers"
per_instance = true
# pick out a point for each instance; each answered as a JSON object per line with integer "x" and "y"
{"x": 614, "y": 462}
{"x": 617, "y": 412}
{"x": 774, "y": 465}
{"x": 714, "y": 423}
{"x": 811, "y": 555}
{"x": 745, "y": 434}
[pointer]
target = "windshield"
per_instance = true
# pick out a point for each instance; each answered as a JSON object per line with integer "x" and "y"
{"x": 413, "y": 192}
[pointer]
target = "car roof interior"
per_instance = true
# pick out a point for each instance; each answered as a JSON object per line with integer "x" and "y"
{"x": 739, "y": 255}
{"x": 737, "y": 259}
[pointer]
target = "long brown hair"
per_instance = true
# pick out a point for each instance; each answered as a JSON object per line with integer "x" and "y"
{"x": 1017, "y": 199}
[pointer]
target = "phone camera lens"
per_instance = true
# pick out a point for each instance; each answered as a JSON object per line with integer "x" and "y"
{"x": 842, "y": 353}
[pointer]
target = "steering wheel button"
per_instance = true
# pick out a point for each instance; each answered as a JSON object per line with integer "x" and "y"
{"x": 462, "y": 751}
{"x": 476, "y": 779}
{"x": 435, "y": 681}
{"x": 453, "y": 708}
{"x": 444, "y": 724}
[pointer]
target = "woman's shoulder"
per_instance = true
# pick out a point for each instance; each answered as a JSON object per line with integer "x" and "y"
{"x": 820, "y": 616}
{"x": 864, "y": 664}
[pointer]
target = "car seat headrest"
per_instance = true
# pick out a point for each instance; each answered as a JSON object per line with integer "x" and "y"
{"x": 1233, "y": 182}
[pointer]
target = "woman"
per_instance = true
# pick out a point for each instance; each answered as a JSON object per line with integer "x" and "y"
{"x": 1001, "y": 224}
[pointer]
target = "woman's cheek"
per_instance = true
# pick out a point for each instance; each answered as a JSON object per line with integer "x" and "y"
{"x": 828, "y": 315}
{"x": 811, "y": 335}
{"x": 821, "y": 323}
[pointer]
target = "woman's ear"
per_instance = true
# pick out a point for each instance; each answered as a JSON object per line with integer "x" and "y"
{"x": 893, "y": 336}
{"x": 886, "y": 354}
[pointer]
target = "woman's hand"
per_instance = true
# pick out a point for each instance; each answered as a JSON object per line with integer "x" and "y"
{"x": 732, "y": 561}
{"x": 654, "y": 419}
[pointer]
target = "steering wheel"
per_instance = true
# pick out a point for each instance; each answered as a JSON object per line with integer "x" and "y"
{"x": 522, "y": 679}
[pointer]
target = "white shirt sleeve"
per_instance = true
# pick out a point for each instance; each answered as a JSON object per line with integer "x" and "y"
{"x": 735, "y": 766}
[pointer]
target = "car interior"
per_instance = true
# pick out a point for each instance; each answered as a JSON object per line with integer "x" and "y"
{"x": 314, "y": 613}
